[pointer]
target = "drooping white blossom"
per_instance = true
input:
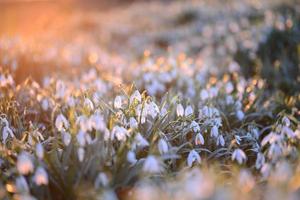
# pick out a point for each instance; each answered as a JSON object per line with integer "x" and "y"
{"x": 204, "y": 95}
{"x": 220, "y": 140}
{"x": 152, "y": 165}
{"x": 88, "y": 104}
{"x": 39, "y": 149}
{"x": 101, "y": 180}
{"x": 260, "y": 160}
{"x": 136, "y": 96}
{"x": 239, "y": 155}
{"x": 195, "y": 127}
{"x": 214, "y": 132}
{"x": 118, "y": 102}
{"x": 188, "y": 111}
{"x": 22, "y": 185}
{"x": 61, "y": 123}
{"x": 199, "y": 140}
{"x": 24, "y": 163}
{"x": 120, "y": 133}
{"x": 133, "y": 123}
{"x": 179, "y": 110}
{"x": 140, "y": 141}
{"x": 66, "y": 138}
{"x": 80, "y": 153}
{"x": 131, "y": 158}
{"x": 193, "y": 157}
{"x": 5, "y": 133}
{"x": 162, "y": 146}
{"x": 81, "y": 138}
{"x": 240, "y": 115}
{"x": 40, "y": 176}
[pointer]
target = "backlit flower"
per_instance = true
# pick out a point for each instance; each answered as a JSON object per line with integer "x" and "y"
{"x": 239, "y": 156}
{"x": 152, "y": 165}
{"x": 136, "y": 96}
{"x": 24, "y": 163}
{"x": 199, "y": 140}
{"x": 193, "y": 157}
{"x": 179, "y": 110}
{"x": 61, "y": 123}
{"x": 131, "y": 157}
{"x": 39, "y": 151}
{"x": 214, "y": 132}
{"x": 188, "y": 111}
{"x": 41, "y": 176}
{"x": 162, "y": 146}
{"x": 118, "y": 102}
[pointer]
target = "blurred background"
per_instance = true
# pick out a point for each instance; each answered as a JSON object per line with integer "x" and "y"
{"x": 39, "y": 37}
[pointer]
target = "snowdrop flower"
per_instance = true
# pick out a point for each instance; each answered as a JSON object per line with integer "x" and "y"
{"x": 213, "y": 91}
{"x": 275, "y": 151}
{"x": 204, "y": 95}
{"x": 152, "y": 165}
{"x": 199, "y": 140}
{"x": 61, "y": 123}
{"x": 81, "y": 138}
{"x": 39, "y": 151}
{"x": 229, "y": 87}
{"x": 229, "y": 100}
{"x": 66, "y": 138}
{"x": 24, "y": 163}
{"x": 237, "y": 139}
{"x": 152, "y": 109}
{"x": 131, "y": 158}
{"x": 41, "y": 176}
{"x": 88, "y": 104}
{"x": 240, "y": 115}
{"x": 265, "y": 170}
{"x": 239, "y": 156}
{"x": 286, "y": 121}
{"x": 195, "y": 127}
{"x": 118, "y": 102}
{"x": 84, "y": 123}
{"x": 135, "y": 96}
{"x": 60, "y": 89}
{"x": 141, "y": 113}
{"x": 188, "y": 111}
{"x": 45, "y": 104}
{"x": 288, "y": 132}
{"x": 214, "y": 132}
{"x": 80, "y": 154}
{"x": 71, "y": 101}
{"x": 120, "y": 133}
{"x": 21, "y": 185}
{"x": 271, "y": 138}
{"x": 101, "y": 180}
{"x": 260, "y": 161}
{"x": 140, "y": 141}
{"x": 5, "y": 133}
{"x": 162, "y": 146}
{"x": 238, "y": 105}
{"x": 163, "y": 112}
{"x": 179, "y": 110}
{"x": 254, "y": 131}
{"x": 193, "y": 157}
{"x": 220, "y": 140}
{"x": 97, "y": 122}
{"x": 133, "y": 123}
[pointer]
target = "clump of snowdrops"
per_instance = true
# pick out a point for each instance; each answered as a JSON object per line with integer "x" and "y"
{"x": 178, "y": 133}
